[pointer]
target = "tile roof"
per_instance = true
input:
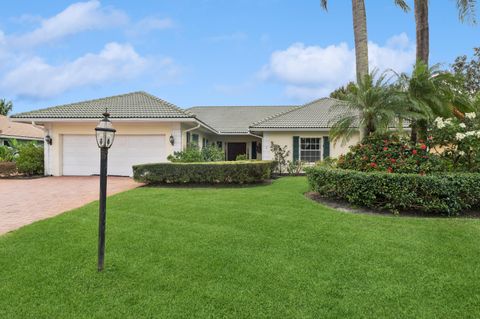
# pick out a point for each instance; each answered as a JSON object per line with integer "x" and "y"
{"x": 235, "y": 119}
{"x": 19, "y": 130}
{"x": 130, "y": 105}
{"x": 320, "y": 113}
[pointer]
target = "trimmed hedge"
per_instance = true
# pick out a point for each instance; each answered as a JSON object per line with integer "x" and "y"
{"x": 238, "y": 172}
{"x": 449, "y": 194}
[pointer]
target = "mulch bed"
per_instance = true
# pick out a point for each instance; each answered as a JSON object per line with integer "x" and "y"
{"x": 344, "y": 206}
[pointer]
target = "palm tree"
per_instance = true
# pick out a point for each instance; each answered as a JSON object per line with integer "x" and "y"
{"x": 5, "y": 107}
{"x": 371, "y": 103}
{"x": 466, "y": 11}
{"x": 429, "y": 93}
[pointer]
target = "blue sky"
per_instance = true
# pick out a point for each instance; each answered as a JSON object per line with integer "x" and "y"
{"x": 205, "y": 52}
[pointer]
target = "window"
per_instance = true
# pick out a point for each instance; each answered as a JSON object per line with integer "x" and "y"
{"x": 310, "y": 149}
{"x": 219, "y": 144}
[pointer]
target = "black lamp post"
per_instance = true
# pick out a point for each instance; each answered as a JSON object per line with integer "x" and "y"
{"x": 105, "y": 134}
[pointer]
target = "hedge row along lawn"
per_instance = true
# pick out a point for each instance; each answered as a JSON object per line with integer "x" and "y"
{"x": 240, "y": 252}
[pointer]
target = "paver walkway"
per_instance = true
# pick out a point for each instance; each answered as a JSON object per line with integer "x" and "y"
{"x": 24, "y": 201}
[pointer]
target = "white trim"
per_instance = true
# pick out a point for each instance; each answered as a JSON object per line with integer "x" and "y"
{"x": 322, "y": 129}
{"x": 16, "y": 137}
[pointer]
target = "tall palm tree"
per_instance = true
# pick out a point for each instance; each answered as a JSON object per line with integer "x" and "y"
{"x": 466, "y": 12}
{"x": 5, "y": 107}
{"x": 371, "y": 103}
{"x": 361, "y": 38}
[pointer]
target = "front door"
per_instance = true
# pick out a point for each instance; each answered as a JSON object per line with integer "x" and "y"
{"x": 235, "y": 149}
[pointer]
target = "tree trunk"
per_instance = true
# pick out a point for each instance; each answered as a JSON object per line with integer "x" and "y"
{"x": 361, "y": 46}
{"x": 361, "y": 40}
{"x": 423, "y": 44}
{"x": 422, "y": 30}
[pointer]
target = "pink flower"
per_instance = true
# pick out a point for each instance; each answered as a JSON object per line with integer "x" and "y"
{"x": 423, "y": 147}
{"x": 373, "y": 165}
{"x": 385, "y": 148}
{"x": 414, "y": 152}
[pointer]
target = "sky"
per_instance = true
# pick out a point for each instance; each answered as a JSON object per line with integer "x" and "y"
{"x": 206, "y": 52}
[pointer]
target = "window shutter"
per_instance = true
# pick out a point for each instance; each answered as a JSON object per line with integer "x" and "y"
{"x": 326, "y": 147}
{"x": 188, "y": 138}
{"x": 296, "y": 147}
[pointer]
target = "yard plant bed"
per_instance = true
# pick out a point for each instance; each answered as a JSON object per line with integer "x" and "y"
{"x": 245, "y": 252}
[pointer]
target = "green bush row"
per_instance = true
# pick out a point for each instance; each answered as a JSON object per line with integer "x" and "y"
{"x": 449, "y": 194}
{"x": 238, "y": 172}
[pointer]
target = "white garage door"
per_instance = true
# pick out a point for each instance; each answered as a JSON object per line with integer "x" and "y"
{"x": 81, "y": 155}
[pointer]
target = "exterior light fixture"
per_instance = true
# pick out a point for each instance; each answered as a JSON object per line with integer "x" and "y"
{"x": 171, "y": 139}
{"x": 105, "y": 134}
{"x": 48, "y": 139}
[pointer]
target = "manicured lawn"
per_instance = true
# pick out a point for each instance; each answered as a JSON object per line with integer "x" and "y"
{"x": 262, "y": 251}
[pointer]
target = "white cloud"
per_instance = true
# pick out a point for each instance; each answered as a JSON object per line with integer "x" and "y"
{"x": 148, "y": 24}
{"x": 312, "y": 71}
{"x": 35, "y": 78}
{"x": 78, "y": 17}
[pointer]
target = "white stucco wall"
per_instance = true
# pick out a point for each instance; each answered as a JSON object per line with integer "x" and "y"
{"x": 286, "y": 138}
{"x": 56, "y": 130}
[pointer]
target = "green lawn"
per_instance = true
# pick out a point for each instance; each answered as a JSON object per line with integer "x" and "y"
{"x": 263, "y": 251}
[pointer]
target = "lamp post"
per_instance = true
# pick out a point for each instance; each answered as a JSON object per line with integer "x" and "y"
{"x": 105, "y": 134}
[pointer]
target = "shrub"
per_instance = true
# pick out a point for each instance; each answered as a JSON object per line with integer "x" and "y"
{"x": 7, "y": 168}
{"x": 280, "y": 155}
{"x": 295, "y": 168}
{"x": 391, "y": 153}
{"x": 193, "y": 154}
{"x": 204, "y": 173}
{"x": 7, "y": 154}
{"x": 241, "y": 157}
{"x": 457, "y": 141}
{"x": 437, "y": 193}
{"x": 30, "y": 159}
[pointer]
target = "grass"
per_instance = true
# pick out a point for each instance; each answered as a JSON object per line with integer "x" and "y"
{"x": 263, "y": 251}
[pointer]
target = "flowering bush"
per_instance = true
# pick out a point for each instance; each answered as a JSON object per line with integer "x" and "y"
{"x": 457, "y": 142}
{"x": 391, "y": 153}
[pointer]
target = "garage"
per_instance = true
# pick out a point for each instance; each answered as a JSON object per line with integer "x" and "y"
{"x": 81, "y": 155}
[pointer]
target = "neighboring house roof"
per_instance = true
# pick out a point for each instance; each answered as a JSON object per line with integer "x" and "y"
{"x": 235, "y": 119}
{"x": 317, "y": 114}
{"x": 131, "y": 105}
{"x": 9, "y": 129}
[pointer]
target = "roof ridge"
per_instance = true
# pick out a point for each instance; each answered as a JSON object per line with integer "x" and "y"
{"x": 215, "y": 106}
{"x": 289, "y": 111}
{"x": 166, "y": 102}
{"x": 80, "y": 102}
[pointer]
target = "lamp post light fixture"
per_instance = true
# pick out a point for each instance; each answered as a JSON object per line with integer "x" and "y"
{"x": 171, "y": 139}
{"x": 105, "y": 134}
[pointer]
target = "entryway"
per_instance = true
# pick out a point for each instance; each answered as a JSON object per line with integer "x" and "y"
{"x": 235, "y": 149}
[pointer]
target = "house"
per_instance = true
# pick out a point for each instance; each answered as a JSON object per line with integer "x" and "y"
{"x": 21, "y": 132}
{"x": 149, "y": 129}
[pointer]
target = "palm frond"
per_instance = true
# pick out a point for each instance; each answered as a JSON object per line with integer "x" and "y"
{"x": 324, "y": 4}
{"x": 402, "y": 4}
{"x": 467, "y": 10}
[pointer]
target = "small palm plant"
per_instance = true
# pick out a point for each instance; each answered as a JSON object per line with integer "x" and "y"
{"x": 372, "y": 105}
{"x": 430, "y": 93}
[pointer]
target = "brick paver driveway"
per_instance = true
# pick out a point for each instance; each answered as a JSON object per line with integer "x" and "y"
{"x": 23, "y": 201}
